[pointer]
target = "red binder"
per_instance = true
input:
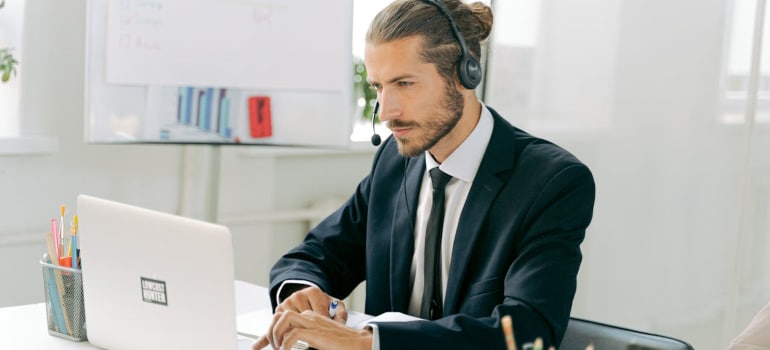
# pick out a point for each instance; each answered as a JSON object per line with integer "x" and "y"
{"x": 260, "y": 124}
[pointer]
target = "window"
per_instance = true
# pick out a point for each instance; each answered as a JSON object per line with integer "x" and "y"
{"x": 13, "y": 140}
{"x": 512, "y": 57}
{"x": 543, "y": 52}
{"x": 11, "y": 18}
{"x": 363, "y": 13}
{"x": 737, "y": 71}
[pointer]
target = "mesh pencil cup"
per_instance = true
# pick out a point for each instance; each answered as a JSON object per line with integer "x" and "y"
{"x": 64, "y": 301}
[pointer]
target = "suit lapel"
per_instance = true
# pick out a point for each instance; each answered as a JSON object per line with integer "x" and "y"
{"x": 498, "y": 157}
{"x": 402, "y": 236}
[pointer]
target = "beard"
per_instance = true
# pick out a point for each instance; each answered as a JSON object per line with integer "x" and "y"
{"x": 435, "y": 128}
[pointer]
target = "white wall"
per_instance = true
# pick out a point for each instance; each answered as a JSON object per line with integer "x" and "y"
{"x": 680, "y": 234}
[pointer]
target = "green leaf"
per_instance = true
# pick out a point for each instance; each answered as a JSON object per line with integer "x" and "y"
{"x": 7, "y": 64}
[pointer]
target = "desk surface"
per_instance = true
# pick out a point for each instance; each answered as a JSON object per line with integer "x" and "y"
{"x": 24, "y": 327}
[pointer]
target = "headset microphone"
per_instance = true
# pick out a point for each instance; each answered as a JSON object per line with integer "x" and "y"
{"x": 375, "y": 137}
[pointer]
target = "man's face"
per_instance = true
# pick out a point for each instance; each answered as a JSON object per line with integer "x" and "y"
{"x": 416, "y": 103}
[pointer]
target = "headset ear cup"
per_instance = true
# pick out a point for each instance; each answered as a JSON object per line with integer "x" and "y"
{"x": 468, "y": 68}
{"x": 469, "y": 71}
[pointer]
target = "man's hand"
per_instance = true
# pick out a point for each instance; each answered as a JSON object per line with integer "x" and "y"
{"x": 311, "y": 299}
{"x": 316, "y": 330}
{"x": 305, "y": 316}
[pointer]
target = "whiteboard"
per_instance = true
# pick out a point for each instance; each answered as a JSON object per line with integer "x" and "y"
{"x": 219, "y": 71}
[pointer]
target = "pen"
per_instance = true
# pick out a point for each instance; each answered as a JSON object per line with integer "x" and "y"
{"x": 76, "y": 252}
{"x": 508, "y": 332}
{"x": 333, "y": 308}
{"x": 74, "y": 245}
{"x": 538, "y": 344}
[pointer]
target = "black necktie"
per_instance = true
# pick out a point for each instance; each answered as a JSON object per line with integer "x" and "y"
{"x": 432, "y": 303}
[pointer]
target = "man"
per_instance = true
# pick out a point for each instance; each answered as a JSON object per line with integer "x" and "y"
{"x": 515, "y": 209}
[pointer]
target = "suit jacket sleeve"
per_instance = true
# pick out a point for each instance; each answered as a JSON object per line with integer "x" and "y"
{"x": 333, "y": 253}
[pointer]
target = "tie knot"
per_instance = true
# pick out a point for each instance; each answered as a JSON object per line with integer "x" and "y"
{"x": 438, "y": 178}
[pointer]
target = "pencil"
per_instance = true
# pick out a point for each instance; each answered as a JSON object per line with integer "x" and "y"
{"x": 61, "y": 232}
{"x": 508, "y": 332}
{"x": 59, "y": 284}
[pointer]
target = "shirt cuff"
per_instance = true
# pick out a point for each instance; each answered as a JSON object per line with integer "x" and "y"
{"x": 287, "y": 282}
{"x": 375, "y": 336}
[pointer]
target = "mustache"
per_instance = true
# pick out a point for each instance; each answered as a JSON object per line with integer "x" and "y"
{"x": 401, "y": 124}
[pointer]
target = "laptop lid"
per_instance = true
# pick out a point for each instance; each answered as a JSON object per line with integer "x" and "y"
{"x": 153, "y": 280}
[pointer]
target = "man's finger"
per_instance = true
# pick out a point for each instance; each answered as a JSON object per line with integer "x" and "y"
{"x": 260, "y": 343}
{"x": 294, "y": 340}
{"x": 269, "y": 334}
{"x": 281, "y": 325}
{"x": 288, "y": 322}
{"x": 340, "y": 313}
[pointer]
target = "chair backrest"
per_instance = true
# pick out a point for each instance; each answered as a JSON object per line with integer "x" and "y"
{"x": 582, "y": 332}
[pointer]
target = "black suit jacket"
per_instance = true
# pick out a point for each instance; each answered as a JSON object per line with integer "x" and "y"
{"x": 516, "y": 249}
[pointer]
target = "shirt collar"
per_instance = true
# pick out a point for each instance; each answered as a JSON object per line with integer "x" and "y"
{"x": 464, "y": 162}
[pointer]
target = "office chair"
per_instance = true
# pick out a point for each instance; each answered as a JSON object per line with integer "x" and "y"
{"x": 582, "y": 332}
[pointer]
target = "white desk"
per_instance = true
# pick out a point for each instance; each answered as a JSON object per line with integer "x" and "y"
{"x": 24, "y": 327}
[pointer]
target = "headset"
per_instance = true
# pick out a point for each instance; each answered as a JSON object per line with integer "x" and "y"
{"x": 468, "y": 68}
{"x": 376, "y": 139}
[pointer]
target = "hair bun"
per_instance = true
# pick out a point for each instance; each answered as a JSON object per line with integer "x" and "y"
{"x": 483, "y": 15}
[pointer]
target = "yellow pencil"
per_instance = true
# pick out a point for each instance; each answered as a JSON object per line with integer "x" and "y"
{"x": 508, "y": 332}
{"x": 72, "y": 233}
{"x": 61, "y": 232}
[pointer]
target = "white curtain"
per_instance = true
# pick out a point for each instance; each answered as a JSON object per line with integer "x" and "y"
{"x": 654, "y": 96}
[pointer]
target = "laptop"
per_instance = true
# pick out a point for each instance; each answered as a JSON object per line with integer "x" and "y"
{"x": 153, "y": 280}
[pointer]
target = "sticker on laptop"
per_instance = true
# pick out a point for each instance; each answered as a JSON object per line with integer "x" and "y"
{"x": 154, "y": 291}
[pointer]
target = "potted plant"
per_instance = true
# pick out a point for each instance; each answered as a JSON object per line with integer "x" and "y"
{"x": 7, "y": 62}
{"x": 363, "y": 94}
